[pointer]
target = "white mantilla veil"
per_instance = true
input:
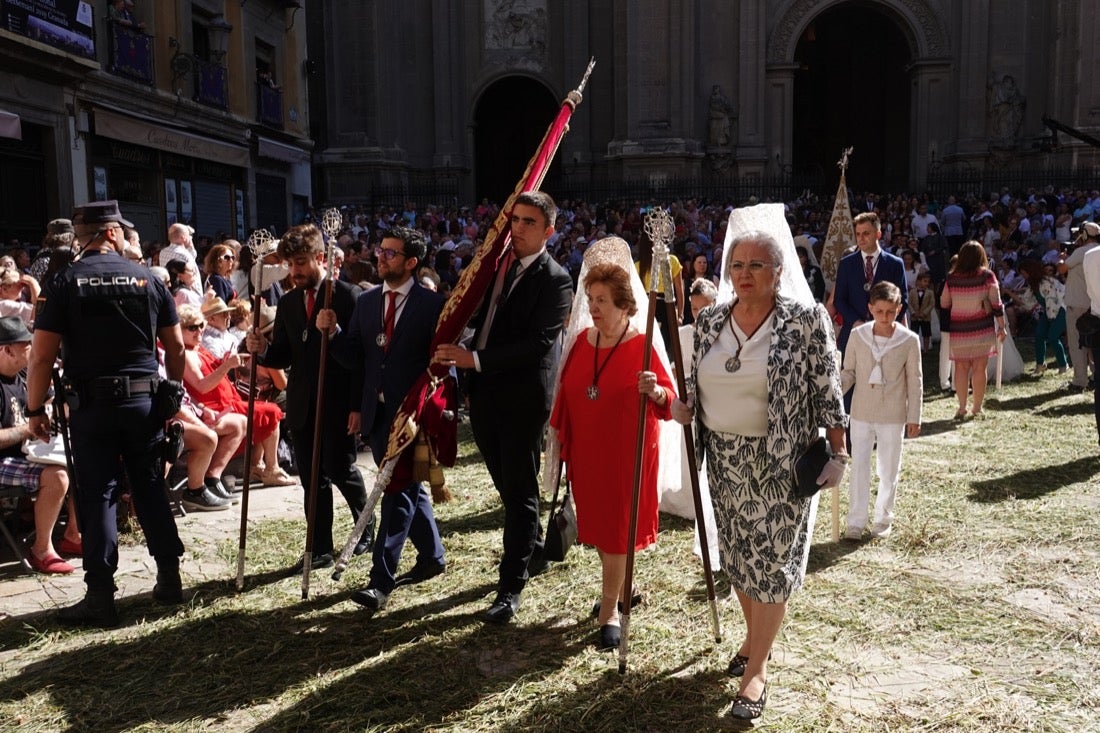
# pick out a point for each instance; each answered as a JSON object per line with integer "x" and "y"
{"x": 613, "y": 251}
{"x": 769, "y": 219}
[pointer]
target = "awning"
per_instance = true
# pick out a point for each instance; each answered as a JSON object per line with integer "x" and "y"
{"x": 9, "y": 125}
{"x": 280, "y": 151}
{"x": 131, "y": 130}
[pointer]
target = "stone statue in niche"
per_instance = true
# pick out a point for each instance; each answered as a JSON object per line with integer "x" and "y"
{"x": 1006, "y": 111}
{"x": 515, "y": 24}
{"x": 720, "y": 119}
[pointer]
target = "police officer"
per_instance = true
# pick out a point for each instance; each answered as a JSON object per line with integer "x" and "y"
{"x": 108, "y": 313}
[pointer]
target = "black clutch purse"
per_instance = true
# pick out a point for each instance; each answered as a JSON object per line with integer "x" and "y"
{"x": 808, "y": 466}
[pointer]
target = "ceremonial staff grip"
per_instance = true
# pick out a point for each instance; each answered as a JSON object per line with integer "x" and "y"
{"x": 242, "y": 538}
{"x": 639, "y": 446}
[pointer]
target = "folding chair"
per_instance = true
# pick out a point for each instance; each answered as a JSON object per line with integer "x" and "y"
{"x": 13, "y": 492}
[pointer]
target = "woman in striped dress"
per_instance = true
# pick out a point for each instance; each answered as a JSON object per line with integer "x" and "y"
{"x": 977, "y": 322}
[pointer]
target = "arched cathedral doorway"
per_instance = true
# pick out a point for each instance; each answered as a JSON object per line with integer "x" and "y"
{"x": 510, "y": 119}
{"x": 852, "y": 88}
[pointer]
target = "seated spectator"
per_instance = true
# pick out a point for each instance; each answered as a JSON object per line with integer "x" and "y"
{"x": 48, "y": 483}
{"x": 219, "y": 264}
{"x": 216, "y": 338}
{"x": 240, "y": 318}
{"x": 181, "y": 277}
{"x": 18, "y": 295}
{"x": 270, "y": 382}
{"x": 206, "y": 380}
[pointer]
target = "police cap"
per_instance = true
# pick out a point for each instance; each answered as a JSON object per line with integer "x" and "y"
{"x": 99, "y": 212}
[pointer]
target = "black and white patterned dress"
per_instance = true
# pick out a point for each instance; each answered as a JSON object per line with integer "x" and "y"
{"x": 762, "y": 529}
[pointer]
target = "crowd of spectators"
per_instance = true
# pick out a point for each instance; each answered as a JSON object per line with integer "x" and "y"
{"x": 924, "y": 231}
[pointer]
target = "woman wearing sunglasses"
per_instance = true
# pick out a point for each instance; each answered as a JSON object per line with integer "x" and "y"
{"x": 219, "y": 264}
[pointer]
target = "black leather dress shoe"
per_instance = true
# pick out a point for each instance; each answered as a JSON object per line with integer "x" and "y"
{"x": 95, "y": 609}
{"x": 503, "y": 609}
{"x": 169, "y": 587}
{"x": 371, "y": 599}
{"x": 419, "y": 573}
{"x": 317, "y": 562}
{"x": 361, "y": 548}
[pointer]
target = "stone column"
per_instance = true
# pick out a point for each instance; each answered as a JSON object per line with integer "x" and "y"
{"x": 779, "y": 106}
{"x": 973, "y": 71}
{"x": 930, "y": 117}
{"x": 752, "y": 127}
{"x": 447, "y": 75}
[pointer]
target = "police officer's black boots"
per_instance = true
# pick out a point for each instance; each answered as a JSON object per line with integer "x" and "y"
{"x": 169, "y": 587}
{"x": 97, "y": 609}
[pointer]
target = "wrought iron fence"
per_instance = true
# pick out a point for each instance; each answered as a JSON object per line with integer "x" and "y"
{"x": 421, "y": 187}
{"x": 966, "y": 180}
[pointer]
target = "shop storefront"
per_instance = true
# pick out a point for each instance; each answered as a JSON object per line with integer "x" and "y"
{"x": 162, "y": 175}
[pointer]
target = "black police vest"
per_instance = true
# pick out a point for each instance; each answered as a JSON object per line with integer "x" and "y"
{"x": 107, "y": 311}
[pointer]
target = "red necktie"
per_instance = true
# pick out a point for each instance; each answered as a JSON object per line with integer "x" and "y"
{"x": 311, "y": 298}
{"x": 391, "y": 317}
{"x": 869, "y": 269}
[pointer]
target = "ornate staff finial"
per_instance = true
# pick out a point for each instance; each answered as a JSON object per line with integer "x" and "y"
{"x": 574, "y": 97}
{"x": 260, "y": 240}
{"x": 843, "y": 162}
{"x": 587, "y": 73}
{"x": 331, "y": 221}
{"x": 659, "y": 226}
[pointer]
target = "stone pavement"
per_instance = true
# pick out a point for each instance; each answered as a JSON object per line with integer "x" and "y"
{"x": 23, "y": 593}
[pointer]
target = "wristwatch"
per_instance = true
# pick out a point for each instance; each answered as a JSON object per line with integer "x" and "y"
{"x": 842, "y": 457}
{"x": 37, "y": 412}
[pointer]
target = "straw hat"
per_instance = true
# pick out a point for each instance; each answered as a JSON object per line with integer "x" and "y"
{"x": 213, "y": 305}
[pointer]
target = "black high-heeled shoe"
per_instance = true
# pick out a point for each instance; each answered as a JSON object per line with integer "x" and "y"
{"x": 745, "y": 708}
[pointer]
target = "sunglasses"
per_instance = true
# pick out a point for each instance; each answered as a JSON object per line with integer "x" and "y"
{"x": 228, "y": 257}
{"x": 195, "y": 327}
{"x": 387, "y": 254}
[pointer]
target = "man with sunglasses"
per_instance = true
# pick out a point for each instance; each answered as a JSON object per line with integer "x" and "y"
{"x": 296, "y": 343}
{"x": 109, "y": 313}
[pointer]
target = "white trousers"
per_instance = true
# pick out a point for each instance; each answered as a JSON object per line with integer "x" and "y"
{"x": 945, "y": 360}
{"x": 889, "y": 438}
{"x": 1077, "y": 356}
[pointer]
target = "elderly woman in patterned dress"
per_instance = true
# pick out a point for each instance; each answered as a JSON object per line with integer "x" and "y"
{"x": 765, "y": 378}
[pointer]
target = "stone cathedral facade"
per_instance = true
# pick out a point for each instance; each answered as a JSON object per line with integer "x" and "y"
{"x": 425, "y": 91}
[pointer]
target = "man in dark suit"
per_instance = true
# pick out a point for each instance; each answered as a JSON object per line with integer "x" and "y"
{"x": 858, "y": 271}
{"x": 296, "y": 343}
{"x": 390, "y": 335}
{"x": 514, "y": 362}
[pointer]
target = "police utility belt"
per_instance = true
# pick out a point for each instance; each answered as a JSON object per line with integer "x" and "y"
{"x": 79, "y": 392}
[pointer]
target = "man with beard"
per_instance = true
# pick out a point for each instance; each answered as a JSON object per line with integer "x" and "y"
{"x": 390, "y": 336}
{"x": 296, "y": 343}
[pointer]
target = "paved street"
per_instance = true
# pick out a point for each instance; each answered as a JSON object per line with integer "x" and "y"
{"x": 23, "y": 593}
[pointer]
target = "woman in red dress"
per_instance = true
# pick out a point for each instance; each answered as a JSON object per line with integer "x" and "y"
{"x": 206, "y": 380}
{"x": 596, "y": 419}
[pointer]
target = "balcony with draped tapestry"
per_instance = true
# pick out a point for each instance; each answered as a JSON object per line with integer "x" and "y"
{"x": 130, "y": 54}
{"x": 211, "y": 84}
{"x": 269, "y": 105}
